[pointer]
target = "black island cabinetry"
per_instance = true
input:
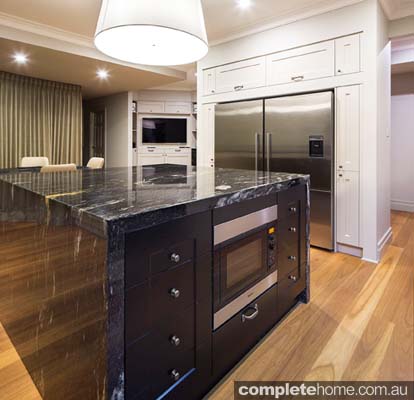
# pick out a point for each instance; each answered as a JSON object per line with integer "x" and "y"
{"x": 173, "y": 349}
{"x": 147, "y": 282}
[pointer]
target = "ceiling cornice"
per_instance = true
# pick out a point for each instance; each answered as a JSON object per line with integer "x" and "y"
{"x": 37, "y": 34}
{"x": 394, "y": 9}
{"x": 311, "y": 11}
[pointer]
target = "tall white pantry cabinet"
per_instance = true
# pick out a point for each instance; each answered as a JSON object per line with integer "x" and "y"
{"x": 345, "y": 51}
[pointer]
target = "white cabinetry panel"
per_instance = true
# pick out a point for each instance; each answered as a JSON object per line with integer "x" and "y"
{"x": 347, "y": 207}
{"x": 150, "y": 107}
{"x": 347, "y": 128}
{"x": 347, "y": 58}
{"x": 205, "y": 136}
{"x": 209, "y": 81}
{"x": 177, "y": 108}
{"x": 304, "y": 63}
{"x": 241, "y": 75}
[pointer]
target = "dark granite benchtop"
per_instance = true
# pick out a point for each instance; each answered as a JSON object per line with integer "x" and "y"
{"x": 138, "y": 197}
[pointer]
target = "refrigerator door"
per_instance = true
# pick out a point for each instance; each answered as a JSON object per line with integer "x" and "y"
{"x": 239, "y": 135}
{"x": 299, "y": 138}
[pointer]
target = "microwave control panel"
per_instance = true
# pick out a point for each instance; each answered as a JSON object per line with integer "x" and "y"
{"x": 271, "y": 247}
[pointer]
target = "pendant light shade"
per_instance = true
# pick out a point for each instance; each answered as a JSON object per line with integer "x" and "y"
{"x": 152, "y": 32}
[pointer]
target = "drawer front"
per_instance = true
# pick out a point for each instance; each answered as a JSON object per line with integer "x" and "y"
{"x": 178, "y": 159}
{"x": 288, "y": 290}
{"x": 288, "y": 232}
{"x": 153, "y": 370}
{"x": 177, "y": 108}
{"x": 151, "y": 150}
{"x": 292, "y": 202}
{"x": 173, "y": 291}
{"x": 227, "y": 350}
{"x": 150, "y": 107}
{"x": 288, "y": 258}
{"x": 241, "y": 75}
{"x": 149, "y": 251}
{"x": 304, "y": 63}
{"x": 150, "y": 159}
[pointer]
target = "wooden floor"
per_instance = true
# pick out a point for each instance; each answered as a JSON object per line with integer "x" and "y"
{"x": 358, "y": 326}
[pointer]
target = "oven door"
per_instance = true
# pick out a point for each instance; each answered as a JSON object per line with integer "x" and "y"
{"x": 239, "y": 265}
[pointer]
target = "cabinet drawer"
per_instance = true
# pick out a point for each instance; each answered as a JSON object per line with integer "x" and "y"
{"x": 150, "y": 107}
{"x": 288, "y": 290}
{"x": 150, "y": 159}
{"x": 150, "y": 150}
{"x": 304, "y": 63}
{"x": 227, "y": 350}
{"x": 288, "y": 231}
{"x": 288, "y": 259}
{"x": 152, "y": 369}
{"x": 347, "y": 58}
{"x": 241, "y": 75}
{"x": 177, "y": 108}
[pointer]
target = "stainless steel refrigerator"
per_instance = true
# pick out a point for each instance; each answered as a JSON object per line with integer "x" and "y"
{"x": 285, "y": 134}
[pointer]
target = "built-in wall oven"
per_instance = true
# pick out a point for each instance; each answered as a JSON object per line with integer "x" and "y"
{"x": 245, "y": 251}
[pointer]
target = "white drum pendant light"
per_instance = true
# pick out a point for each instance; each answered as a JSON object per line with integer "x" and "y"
{"x": 152, "y": 32}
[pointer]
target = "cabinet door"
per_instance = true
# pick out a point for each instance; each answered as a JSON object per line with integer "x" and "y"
{"x": 150, "y": 159}
{"x": 347, "y": 128}
{"x": 180, "y": 159}
{"x": 205, "y": 139}
{"x": 347, "y": 55}
{"x": 241, "y": 75}
{"x": 150, "y": 107}
{"x": 172, "y": 107}
{"x": 304, "y": 63}
{"x": 347, "y": 207}
{"x": 209, "y": 81}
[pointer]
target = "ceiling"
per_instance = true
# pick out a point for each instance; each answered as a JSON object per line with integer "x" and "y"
{"x": 76, "y": 20}
{"x": 59, "y": 66}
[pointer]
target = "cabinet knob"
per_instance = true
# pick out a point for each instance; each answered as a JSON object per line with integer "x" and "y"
{"x": 175, "y": 257}
{"x": 340, "y": 166}
{"x": 175, "y": 340}
{"x": 175, "y": 375}
{"x": 297, "y": 78}
{"x": 292, "y": 229}
{"x": 175, "y": 293}
{"x": 238, "y": 87}
{"x": 339, "y": 70}
{"x": 340, "y": 175}
{"x": 292, "y": 258}
{"x": 292, "y": 209}
{"x": 293, "y": 278}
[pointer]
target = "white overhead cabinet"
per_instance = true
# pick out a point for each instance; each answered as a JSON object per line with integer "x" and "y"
{"x": 347, "y": 128}
{"x": 247, "y": 74}
{"x": 347, "y": 57}
{"x": 150, "y": 107}
{"x": 209, "y": 81}
{"x": 347, "y": 165}
{"x": 347, "y": 208}
{"x": 301, "y": 64}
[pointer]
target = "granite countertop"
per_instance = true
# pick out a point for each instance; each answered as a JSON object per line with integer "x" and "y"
{"x": 115, "y": 195}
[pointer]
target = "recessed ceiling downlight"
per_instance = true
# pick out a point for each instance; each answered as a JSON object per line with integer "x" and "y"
{"x": 152, "y": 32}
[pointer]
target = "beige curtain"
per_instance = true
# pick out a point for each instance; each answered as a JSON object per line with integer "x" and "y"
{"x": 39, "y": 118}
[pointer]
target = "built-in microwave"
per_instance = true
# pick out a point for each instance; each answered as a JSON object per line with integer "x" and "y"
{"x": 245, "y": 251}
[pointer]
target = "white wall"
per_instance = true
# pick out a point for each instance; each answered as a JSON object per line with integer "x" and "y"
{"x": 383, "y": 131}
{"x": 402, "y": 151}
{"x": 118, "y": 128}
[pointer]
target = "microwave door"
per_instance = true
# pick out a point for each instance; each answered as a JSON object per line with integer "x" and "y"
{"x": 239, "y": 135}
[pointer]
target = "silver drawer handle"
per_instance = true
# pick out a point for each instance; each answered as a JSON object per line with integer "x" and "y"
{"x": 292, "y": 258}
{"x": 175, "y": 375}
{"x": 175, "y": 293}
{"x": 175, "y": 257}
{"x": 293, "y": 278}
{"x": 292, "y": 209}
{"x": 292, "y": 229}
{"x": 251, "y": 316}
{"x": 239, "y": 87}
{"x": 175, "y": 340}
{"x": 297, "y": 78}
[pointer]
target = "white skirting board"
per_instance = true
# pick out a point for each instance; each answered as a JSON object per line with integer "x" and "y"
{"x": 402, "y": 205}
{"x": 351, "y": 250}
{"x": 383, "y": 241}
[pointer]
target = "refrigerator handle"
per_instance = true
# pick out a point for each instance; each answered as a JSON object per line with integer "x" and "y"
{"x": 256, "y": 150}
{"x": 268, "y": 149}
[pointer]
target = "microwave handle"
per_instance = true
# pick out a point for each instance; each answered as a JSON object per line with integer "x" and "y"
{"x": 251, "y": 316}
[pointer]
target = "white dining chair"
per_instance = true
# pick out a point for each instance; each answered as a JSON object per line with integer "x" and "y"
{"x": 28, "y": 162}
{"x": 96, "y": 163}
{"x": 58, "y": 168}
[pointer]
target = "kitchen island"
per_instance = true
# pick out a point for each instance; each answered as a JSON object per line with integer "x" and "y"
{"x": 88, "y": 265}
